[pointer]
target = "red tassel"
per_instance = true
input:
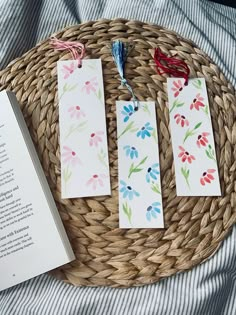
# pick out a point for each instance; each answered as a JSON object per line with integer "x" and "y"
{"x": 173, "y": 66}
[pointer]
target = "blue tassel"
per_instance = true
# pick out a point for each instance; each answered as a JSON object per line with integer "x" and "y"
{"x": 119, "y": 53}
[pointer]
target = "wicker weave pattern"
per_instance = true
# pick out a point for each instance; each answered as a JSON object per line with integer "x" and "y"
{"x": 107, "y": 255}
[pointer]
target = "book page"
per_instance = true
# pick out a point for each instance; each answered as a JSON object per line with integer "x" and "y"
{"x": 30, "y": 242}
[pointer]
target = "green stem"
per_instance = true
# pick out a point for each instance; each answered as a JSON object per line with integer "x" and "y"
{"x": 136, "y": 169}
{"x": 127, "y": 128}
{"x": 173, "y": 106}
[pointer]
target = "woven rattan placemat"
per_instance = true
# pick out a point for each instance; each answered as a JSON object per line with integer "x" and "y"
{"x": 194, "y": 227}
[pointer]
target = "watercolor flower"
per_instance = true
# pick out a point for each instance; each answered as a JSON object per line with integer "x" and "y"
{"x": 95, "y": 138}
{"x": 152, "y": 210}
{"x": 197, "y": 102}
{"x": 70, "y": 156}
{"x": 145, "y": 131}
{"x": 130, "y": 151}
{"x": 127, "y": 112}
{"x": 152, "y": 172}
{"x": 178, "y": 87}
{"x": 207, "y": 177}
{"x": 96, "y": 181}
{"x": 185, "y": 155}
{"x": 180, "y": 119}
{"x": 202, "y": 139}
{"x": 128, "y": 191}
{"x": 76, "y": 111}
{"x": 68, "y": 70}
{"x": 90, "y": 85}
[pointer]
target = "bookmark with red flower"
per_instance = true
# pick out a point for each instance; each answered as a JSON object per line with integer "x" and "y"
{"x": 139, "y": 184}
{"x": 196, "y": 169}
{"x": 195, "y": 162}
{"x": 82, "y": 123}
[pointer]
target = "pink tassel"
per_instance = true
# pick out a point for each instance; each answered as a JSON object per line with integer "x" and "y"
{"x": 76, "y": 49}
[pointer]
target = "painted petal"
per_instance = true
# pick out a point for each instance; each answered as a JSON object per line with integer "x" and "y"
{"x": 139, "y": 133}
{"x": 100, "y": 132}
{"x": 136, "y": 193}
{"x": 210, "y": 176}
{"x": 125, "y": 194}
{"x": 126, "y": 118}
{"x": 148, "y": 215}
{"x": 157, "y": 210}
{"x": 178, "y": 120}
{"x": 192, "y": 157}
{"x": 186, "y": 122}
{"x": 191, "y": 106}
{"x": 155, "y": 172}
{"x": 175, "y": 84}
{"x": 94, "y": 185}
{"x": 143, "y": 134}
{"x": 89, "y": 182}
{"x": 67, "y": 148}
{"x": 205, "y": 134}
{"x": 202, "y": 182}
{"x": 181, "y": 154}
{"x": 127, "y": 152}
{"x": 126, "y": 109}
{"x": 155, "y": 204}
{"x": 100, "y": 182}
{"x": 176, "y": 115}
{"x": 153, "y": 213}
{"x": 153, "y": 175}
{"x": 136, "y": 153}
{"x": 189, "y": 159}
{"x": 207, "y": 180}
{"x": 132, "y": 154}
{"x": 122, "y": 183}
{"x": 182, "y": 123}
{"x": 211, "y": 170}
{"x": 205, "y": 139}
{"x": 198, "y": 144}
{"x": 122, "y": 189}
{"x": 181, "y": 148}
{"x": 148, "y": 177}
{"x": 184, "y": 158}
{"x": 131, "y": 195}
{"x": 147, "y": 133}
{"x": 131, "y": 108}
{"x": 179, "y": 83}
{"x": 155, "y": 165}
{"x": 176, "y": 94}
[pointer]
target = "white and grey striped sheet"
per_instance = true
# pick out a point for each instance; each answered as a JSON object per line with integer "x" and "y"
{"x": 210, "y": 288}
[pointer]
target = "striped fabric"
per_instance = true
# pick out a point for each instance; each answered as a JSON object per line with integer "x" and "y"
{"x": 209, "y": 288}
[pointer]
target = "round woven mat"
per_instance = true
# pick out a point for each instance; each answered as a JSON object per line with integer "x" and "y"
{"x": 194, "y": 227}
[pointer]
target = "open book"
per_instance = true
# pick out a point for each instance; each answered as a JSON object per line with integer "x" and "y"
{"x": 32, "y": 236}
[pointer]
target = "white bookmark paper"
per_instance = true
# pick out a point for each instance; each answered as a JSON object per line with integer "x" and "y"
{"x": 140, "y": 200}
{"x": 195, "y": 162}
{"x": 83, "y": 136}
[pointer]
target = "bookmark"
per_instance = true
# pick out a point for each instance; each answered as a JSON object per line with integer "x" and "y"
{"x": 140, "y": 199}
{"x": 82, "y": 123}
{"x": 195, "y": 161}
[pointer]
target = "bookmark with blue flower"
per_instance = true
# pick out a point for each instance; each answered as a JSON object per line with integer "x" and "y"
{"x": 140, "y": 201}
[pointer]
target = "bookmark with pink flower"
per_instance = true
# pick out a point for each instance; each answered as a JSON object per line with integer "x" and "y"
{"x": 83, "y": 135}
{"x": 139, "y": 183}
